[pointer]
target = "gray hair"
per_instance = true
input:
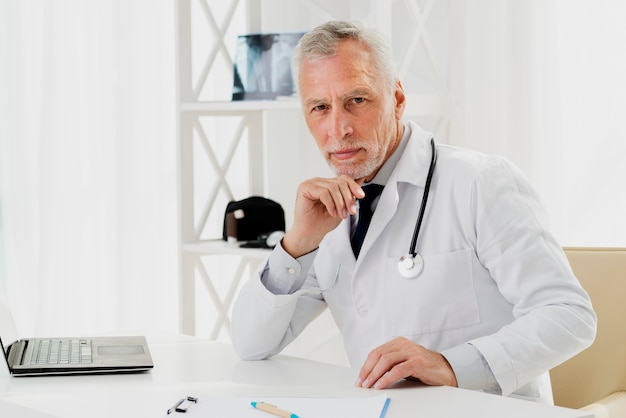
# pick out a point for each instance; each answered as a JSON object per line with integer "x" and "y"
{"x": 322, "y": 42}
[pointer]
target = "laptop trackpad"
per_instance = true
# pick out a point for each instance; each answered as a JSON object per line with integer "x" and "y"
{"x": 116, "y": 350}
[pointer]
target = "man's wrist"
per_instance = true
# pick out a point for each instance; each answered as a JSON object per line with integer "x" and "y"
{"x": 296, "y": 245}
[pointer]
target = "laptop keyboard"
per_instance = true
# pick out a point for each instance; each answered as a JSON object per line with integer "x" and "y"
{"x": 63, "y": 351}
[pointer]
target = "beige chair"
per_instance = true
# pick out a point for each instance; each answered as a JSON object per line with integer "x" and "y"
{"x": 595, "y": 379}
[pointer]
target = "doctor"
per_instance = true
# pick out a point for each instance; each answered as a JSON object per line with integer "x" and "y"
{"x": 479, "y": 295}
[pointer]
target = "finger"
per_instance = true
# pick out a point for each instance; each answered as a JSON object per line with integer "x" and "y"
{"x": 384, "y": 358}
{"x": 378, "y": 362}
{"x": 350, "y": 193}
{"x": 349, "y": 200}
{"x": 399, "y": 371}
{"x": 319, "y": 192}
{"x": 366, "y": 369}
{"x": 338, "y": 196}
{"x": 386, "y": 371}
{"x": 427, "y": 366}
{"x": 332, "y": 197}
{"x": 349, "y": 190}
{"x": 357, "y": 190}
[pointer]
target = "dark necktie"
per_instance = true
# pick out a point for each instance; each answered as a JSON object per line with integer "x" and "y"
{"x": 372, "y": 191}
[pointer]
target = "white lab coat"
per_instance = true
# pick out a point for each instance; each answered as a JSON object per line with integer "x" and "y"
{"x": 493, "y": 275}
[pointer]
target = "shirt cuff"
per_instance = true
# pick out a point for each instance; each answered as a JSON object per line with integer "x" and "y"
{"x": 284, "y": 274}
{"x": 471, "y": 369}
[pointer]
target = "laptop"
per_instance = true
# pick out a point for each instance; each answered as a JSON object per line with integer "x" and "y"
{"x": 79, "y": 355}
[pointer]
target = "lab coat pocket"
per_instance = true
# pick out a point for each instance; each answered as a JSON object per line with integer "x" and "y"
{"x": 441, "y": 298}
{"x": 327, "y": 275}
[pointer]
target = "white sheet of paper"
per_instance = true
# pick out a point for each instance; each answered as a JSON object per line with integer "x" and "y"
{"x": 303, "y": 407}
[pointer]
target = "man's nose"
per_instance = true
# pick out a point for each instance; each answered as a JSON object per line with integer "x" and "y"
{"x": 340, "y": 124}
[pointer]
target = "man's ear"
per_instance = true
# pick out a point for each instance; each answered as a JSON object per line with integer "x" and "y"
{"x": 400, "y": 100}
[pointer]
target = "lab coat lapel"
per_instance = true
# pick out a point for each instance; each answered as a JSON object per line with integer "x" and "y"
{"x": 412, "y": 168}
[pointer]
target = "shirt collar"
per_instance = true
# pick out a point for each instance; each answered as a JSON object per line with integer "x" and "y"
{"x": 385, "y": 171}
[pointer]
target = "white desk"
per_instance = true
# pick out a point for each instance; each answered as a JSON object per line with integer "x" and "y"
{"x": 200, "y": 367}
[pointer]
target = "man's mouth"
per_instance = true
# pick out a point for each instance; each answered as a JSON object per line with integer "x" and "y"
{"x": 345, "y": 154}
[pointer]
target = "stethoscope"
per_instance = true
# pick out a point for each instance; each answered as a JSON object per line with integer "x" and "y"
{"x": 411, "y": 265}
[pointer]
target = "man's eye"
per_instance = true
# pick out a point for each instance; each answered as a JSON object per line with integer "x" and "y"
{"x": 319, "y": 108}
{"x": 358, "y": 100}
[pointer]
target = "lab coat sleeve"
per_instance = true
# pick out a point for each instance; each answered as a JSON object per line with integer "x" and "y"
{"x": 274, "y": 306}
{"x": 554, "y": 319}
{"x": 471, "y": 369}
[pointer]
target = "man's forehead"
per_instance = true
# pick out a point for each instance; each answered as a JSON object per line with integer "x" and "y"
{"x": 349, "y": 70}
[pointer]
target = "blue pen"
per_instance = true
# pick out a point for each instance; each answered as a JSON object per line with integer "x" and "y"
{"x": 273, "y": 409}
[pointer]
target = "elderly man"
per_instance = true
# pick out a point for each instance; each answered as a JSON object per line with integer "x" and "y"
{"x": 456, "y": 281}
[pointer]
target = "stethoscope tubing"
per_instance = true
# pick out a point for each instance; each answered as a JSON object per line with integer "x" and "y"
{"x": 415, "y": 261}
{"x": 420, "y": 216}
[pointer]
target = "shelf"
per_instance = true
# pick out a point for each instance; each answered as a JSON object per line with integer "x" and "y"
{"x": 218, "y": 246}
{"x": 225, "y": 107}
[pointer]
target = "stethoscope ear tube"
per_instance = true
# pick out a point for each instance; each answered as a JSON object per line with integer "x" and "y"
{"x": 412, "y": 264}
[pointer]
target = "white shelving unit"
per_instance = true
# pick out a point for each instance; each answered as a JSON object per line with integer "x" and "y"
{"x": 218, "y": 138}
{"x": 221, "y": 155}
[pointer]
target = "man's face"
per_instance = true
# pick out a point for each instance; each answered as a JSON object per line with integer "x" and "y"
{"x": 354, "y": 118}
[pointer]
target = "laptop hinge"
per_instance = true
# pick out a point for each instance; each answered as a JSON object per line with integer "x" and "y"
{"x": 16, "y": 350}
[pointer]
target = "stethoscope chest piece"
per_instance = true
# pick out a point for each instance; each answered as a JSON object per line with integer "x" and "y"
{"x": 410, "y": 266}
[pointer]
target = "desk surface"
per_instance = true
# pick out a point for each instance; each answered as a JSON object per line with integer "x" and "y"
{"x": 203, "y": 368}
